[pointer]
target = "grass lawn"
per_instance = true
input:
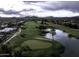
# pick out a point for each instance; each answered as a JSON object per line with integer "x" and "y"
{"x": 37, "y": 44}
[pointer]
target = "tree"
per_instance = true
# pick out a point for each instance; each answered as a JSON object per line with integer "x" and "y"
{"x": 6, "y": 49}
{"x": 23, "y": 35}
{"x": 18, "y": 53}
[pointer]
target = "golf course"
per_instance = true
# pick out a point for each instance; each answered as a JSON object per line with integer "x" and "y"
{"x": 28, "y": 44}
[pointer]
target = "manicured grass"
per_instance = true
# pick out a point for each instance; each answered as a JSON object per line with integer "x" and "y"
{"x": 31, "y": 30}
{"x": 37, "y": 44}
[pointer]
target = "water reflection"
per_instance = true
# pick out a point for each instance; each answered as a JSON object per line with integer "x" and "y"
{"x": 49, "y": 36}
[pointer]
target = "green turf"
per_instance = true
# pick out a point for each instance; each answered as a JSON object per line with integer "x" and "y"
{"x": 37, "y": 44}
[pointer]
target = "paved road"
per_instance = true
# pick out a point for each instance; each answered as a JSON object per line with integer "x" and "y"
{"x": 17, "y": 33}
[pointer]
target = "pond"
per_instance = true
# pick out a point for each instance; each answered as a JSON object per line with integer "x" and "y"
{"x": 70, "y": 43}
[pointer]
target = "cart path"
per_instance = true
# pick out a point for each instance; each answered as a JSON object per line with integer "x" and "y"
{"x": 17, "y": 33}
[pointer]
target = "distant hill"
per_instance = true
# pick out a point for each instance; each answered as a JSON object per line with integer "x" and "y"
{"x": 38, "y": 18}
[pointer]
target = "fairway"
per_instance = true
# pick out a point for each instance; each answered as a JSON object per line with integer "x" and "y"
{"x": 37, "y": 44}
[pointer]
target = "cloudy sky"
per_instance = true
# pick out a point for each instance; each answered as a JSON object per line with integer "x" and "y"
{"x": 22, "y": 8}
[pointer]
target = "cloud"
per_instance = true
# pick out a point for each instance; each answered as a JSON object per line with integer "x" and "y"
{"x": 58, "y": 13}
{"x": 56, "y": 8}
{"x": 9, "y": 11}
{"x": 71, "y": 5}
{"x": 23, "y": 8}
{"x": 57, "y": 5}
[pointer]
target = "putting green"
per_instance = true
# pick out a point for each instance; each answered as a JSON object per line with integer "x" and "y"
{"x": 37, "y": 44}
